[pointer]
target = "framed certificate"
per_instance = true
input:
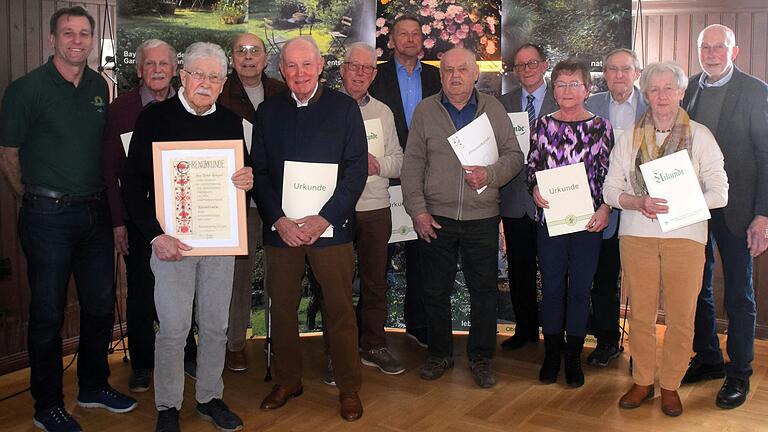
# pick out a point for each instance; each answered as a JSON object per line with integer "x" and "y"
{"x": 195, "y": 199}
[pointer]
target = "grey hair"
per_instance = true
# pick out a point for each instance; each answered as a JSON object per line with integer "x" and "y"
{"x": 306, "y": 39}
{"x": 635, "y": 60}
{"x": 730, "y": 37}
{"x": 154, "y": 43}
{"x": 467, "y": 52}
{"x": 202, "y": 50}
{"x": 361, "y": 46}
{"x": 660, "y": 68}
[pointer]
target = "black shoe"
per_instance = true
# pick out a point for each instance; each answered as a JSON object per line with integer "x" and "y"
{"x": 218, "y": 413}
{"x": 168, "y": 420}
{"x": 574, "y": 375}
{"x": 602, "y": 355}
{"x": 733, "y": 393}
{"x": 699, "y": 371}
{"x": 517, "y": 341}
{"x": 483, "y": 373}
{"x": 553, "y": 345}
{"x": 419, "y": 335}
{"x": 140, "y": 381}
{"x": 435, "y": 367}
{"x": 56, "y": 419}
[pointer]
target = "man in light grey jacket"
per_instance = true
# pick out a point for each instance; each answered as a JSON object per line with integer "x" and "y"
{"x": 450, "y": 216}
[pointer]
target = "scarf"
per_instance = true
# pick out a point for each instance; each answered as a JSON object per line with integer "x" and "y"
{"x": 644, "y": 133}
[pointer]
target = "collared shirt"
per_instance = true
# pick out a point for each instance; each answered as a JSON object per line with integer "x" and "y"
{"x": 147, "y": 97}
{"x": 622, "y": 115}
{"x": 464, "y": 116}
{"x": 362, "y": 102}
{"x": 303, "y": 104}
{"x": 719, "y": 83}
{"x": 538, "y": 95}
{"x": 410, "y": 88}
{"x": 189, "y": 109}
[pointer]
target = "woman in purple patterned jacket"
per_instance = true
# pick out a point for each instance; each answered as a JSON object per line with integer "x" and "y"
{"x": 568, "y": 262}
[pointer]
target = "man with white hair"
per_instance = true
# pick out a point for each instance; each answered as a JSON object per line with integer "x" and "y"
{"x": 374, "y": 218}
{"x": 317, "y": 125}
{"x": 734, "y": 106}
{"x": 450, "y": 216}
{"x": 207, "y": 280}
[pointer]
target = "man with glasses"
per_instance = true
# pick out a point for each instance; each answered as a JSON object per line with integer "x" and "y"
{"x": 518, "y": 213}
{"x": 181, "y": 280}
{"x": 374, "y": 219}
{"x": 51, "y": 125}
{"x": 246, "y": 87}
{"x": 401, "y": 84}
{"x": 451, "y": 217}
{"x": 622, "y": 105}
{"x": 734, "y": 106}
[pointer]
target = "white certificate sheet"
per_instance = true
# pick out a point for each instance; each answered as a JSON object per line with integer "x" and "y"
{"x": 307, "y": 186}
{"x": 375, "y": 135}
{"x": 570, "y": 200}
{"x": 475, "y": 144}
{"x": 672, "y": 178}
{"x": 402, "y": 225}
{"x": 522, "y": 131}
{"x": 126, "y": 139}
{"x": 247, "y": 134}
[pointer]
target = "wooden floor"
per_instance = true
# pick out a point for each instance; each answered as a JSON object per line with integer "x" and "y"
{"x": 405, "y": 402}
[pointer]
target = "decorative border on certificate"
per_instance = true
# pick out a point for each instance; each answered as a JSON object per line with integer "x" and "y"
{"x": 195, "y": 199}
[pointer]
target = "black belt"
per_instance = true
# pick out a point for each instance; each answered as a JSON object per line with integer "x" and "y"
{"x": 40, "y": 191}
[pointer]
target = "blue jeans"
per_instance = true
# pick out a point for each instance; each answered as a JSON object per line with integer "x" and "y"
{"x": 567, "y": 263}
{"x": 739, "y": 302}
{"x": 61, "y": 239}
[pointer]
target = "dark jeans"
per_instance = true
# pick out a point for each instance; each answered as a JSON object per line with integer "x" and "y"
{"x": 60, "y": 239}
{"x": 605, "y": 293}
{"x": 567, "y": 263}
{"x": 414, "y": 314}
{"x": 520, "y": 237}
{"x": 739, "y": 301}
{"x": 478, "y": 242}
{"x": 373, "y": 230}
{"x": 140, "y": 303}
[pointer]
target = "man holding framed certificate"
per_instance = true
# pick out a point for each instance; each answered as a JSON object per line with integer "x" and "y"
{"x": 195, "y": 202}
{"x": 310, "y": 161}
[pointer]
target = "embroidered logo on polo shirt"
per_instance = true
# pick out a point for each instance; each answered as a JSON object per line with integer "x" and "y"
{"x": 98, "y": 102}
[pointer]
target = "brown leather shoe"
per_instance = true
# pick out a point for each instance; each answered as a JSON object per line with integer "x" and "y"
{"x": 280, "y": 395}
{"x": 351, "y": 407}
{"x": 636, "y": 395}
{"x": 237, "y": 361}
{"x": 671, "y": 404}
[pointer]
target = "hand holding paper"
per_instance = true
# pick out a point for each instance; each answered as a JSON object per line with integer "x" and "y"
{"x": 476, "y": 176}
{"x": 650, "y": 206}
{"x": 475, "y": 145}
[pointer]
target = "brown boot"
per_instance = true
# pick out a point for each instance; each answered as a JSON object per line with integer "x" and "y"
{"x": 351, "y": 407}
{"x": 671, "y": 404}
{"x": 636, "y": 395}
{"x": 237, "y": 361}
{"x": 280, "y": 395}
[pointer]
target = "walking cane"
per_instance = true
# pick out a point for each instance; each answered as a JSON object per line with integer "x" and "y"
{"x": 268, "y": 376}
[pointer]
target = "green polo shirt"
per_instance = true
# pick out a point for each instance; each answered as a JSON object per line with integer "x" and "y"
{"x": 57, "y": 128}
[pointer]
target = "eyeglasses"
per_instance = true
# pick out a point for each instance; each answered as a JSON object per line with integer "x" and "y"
{"x": 202, "y": 76}
{"x": 533, "y": 64}
{"x": 251, "y": 49}
{"x": 717, "y": 49}
{"x": 571, "y": 85}
{"x": 356, "y": 67}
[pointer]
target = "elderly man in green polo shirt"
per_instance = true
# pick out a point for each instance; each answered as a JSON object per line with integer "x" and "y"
{"x": 51, "y": 125}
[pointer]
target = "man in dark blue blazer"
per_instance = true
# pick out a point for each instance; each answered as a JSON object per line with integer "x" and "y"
{"x": 401, "y": 84}
{"x": 518, "y": 213}
{"x": 622, "y": 105}
{"x": 734, "y": 106}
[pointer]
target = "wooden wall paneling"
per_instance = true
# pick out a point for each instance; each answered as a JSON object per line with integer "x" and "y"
{"x": 5, "y": 46}
{"x": 713, "y": 18}
{"x": 683, "y": 41}
{"x": 744, "y": 39}
{"x": 698, "y": 23}
{"x": 668, "y": 36}
{"x": 49, "y": 7}
{"x": 654, "y": 43}
{"x": 729, "y": 20}
{"x": 759, "y": 45}
{"x": 34, "y": 34}
{"x": 17, "y": 45}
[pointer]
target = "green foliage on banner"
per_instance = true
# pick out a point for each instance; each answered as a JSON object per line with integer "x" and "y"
{"x": 231, "y": 11}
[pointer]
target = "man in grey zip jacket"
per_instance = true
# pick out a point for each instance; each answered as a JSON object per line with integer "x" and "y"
{"x": 449, "y": 214}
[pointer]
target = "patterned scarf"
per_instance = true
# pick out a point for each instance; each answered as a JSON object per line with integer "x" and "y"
{"x": 678, "y": 139}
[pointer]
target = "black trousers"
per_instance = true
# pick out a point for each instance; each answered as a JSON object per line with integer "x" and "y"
{"x": 606, "y": 299}
{"x": 520, "y": 237}
{"x": 413, "y": 309}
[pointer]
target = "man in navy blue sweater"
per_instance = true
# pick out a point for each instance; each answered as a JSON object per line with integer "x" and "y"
{"x": 310, "y": 124}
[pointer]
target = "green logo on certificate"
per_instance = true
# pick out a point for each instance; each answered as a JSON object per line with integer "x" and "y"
{"x": 403, "y": 230}
{"x": 570, "y": 220}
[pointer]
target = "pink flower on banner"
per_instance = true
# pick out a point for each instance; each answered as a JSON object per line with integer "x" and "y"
{"x": 478, "y": 28}
{"x": 438, "y": 25}
{"x": 491, "y": 23}
{"x": 444, "y": 35}
{"x": 426, "y": 29}
{"x": 461, "y": 34}
{"x": 460, "y": 17}
{"x": 380, "y": 22}
{"x": 451, "y": 28}
{"x": 429, "y": 43}
{"x": 430, "y": 3}
{"x": 465, "y": 28}
{"x": 452, "y": 10}
{"x": 455, "y": 39}
{"x": 379, "y": 52}
{"x": 439, "y": 15}
{"x": 490, "y": 47}
{"x": 483, "y": 40}
{"x": 440, "y": 54}
{"x": 425, "y": 11}
{"x": 384, "y": 30}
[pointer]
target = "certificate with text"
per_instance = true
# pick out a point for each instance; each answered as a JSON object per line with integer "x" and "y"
{"x": 570, "y": 200}
{"x": 195, "y": 199}
{"x": 402, "y": 225}
{"x": 374, "y": 133}
{"x": 522, "y": 131}
{"x": 475, "y": 144}
{"x": 672, "y": 178}
{"x": 307, "y": 186}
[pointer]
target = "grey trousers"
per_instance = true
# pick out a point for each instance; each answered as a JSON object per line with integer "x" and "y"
{"x": 176, "y": 285}
{"x": 240, "y": 307}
